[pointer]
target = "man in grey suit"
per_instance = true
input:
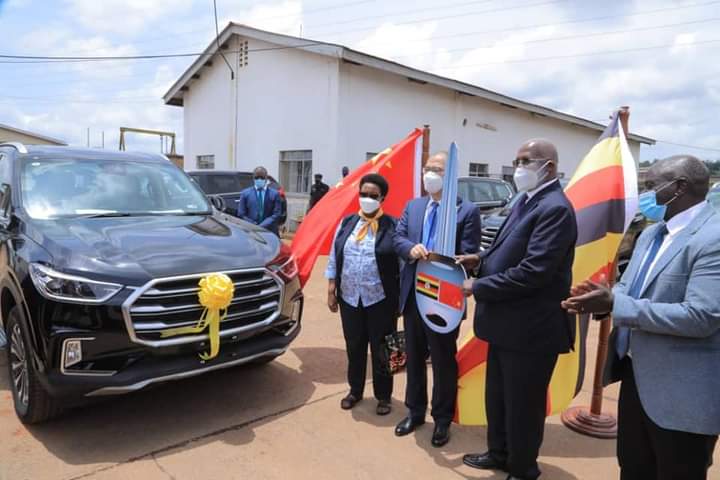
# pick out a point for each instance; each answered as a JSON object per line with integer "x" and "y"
{"x": 665, "y": 347}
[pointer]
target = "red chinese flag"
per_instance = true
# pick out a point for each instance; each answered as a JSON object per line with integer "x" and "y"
{"x": 451, "y": 295}
{"x": 315, "y": 234}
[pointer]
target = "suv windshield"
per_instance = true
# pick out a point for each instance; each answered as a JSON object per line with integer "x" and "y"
{"x": 59, "y": 188}
{"x": 483, "y": 191}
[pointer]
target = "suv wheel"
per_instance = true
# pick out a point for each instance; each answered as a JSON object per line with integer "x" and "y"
{"x": 32, "y": 402}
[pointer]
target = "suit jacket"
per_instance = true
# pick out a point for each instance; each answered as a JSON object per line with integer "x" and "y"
{"x": 675, "y": 342}
{"x": 525, "y": 275}
{"x": 409, "y": 233}
{"x": 248, "y": 208}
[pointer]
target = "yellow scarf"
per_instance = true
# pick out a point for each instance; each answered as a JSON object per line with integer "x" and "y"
{"x": 370, "y": 223}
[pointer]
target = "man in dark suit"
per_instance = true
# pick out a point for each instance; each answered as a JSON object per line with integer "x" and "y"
{"x": 259, "y": 204}
{"x": 522, "y": 276}
{"x": 414, "y": 238}
{"x": 317, "y": 191}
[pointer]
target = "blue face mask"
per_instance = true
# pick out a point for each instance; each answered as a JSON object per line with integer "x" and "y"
{"x": 649, "y": 206}
{"x": 260, "y": 183}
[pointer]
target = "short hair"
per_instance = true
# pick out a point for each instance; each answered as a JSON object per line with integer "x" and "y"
{"x": 318, "y": 175}
{"x": 261, "y": 168}
{"x": 376, "y": 179}
{"x": 692, "y": 168}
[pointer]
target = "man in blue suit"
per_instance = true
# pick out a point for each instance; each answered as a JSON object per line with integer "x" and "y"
{"x": 260, "y": 204}
{"x": 665, "y": 347}
{"x": 414, "y": 238}
{"x": 522, "y": 279}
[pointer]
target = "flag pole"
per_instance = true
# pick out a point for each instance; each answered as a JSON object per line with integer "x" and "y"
{"x": 425, "y": 154}
{"x": 594, "y": 422}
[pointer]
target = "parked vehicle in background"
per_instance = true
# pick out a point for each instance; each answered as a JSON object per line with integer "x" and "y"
{"x": 102, "y": 253}
{"x": 228, "y": 185}
{"x": 489, "y": 194}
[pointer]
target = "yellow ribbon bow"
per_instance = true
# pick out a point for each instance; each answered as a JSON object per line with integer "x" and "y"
{"x": 370, "y": 223}
{"x": 216, "y": 294}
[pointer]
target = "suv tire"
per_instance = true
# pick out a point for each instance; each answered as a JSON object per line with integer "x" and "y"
{"x": 32, "y": 403}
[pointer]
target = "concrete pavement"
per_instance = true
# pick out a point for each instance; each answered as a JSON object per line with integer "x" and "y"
{"x": 281, "y": 420}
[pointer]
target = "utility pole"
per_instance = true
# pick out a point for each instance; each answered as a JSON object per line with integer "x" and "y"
{"x": 88, "y": 137}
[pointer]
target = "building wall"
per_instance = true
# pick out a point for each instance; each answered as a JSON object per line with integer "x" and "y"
{"x": 378, "y": 109}
{"x": 11, "y": 136}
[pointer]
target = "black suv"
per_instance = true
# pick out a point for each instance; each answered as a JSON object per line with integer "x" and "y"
{"x": 228, "y": 184}
{"x": 101, "y": 254}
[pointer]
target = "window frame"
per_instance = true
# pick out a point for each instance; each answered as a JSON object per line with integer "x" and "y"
{"x": 289, "y": 166}
{"x": 200, "y": 158}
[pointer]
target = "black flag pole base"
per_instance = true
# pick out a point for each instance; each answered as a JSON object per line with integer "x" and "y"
{"x": 581, "y": 420}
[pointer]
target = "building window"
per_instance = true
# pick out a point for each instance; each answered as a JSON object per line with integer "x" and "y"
{"x": 296, "y": 170}
{"x": 205, "y": 162}
{"x": 478, "y": 170}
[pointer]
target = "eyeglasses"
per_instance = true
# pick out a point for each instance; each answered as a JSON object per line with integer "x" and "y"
{"x": 259, "y": 177}
{"x": 525, "y": 161}
{"x": 433, "y": 169}
{"x": 374, "y": 196}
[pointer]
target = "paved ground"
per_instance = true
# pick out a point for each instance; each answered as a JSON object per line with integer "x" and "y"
{"x": 276, "y": 421}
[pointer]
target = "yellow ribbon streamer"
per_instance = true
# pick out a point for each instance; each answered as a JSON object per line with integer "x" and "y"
{"x": 370, "y": 223}
{"x": 216, "y": 294}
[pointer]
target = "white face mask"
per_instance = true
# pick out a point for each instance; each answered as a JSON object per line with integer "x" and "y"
{"x": 527, "y": 179}
{"x": 369, "y": 205}
{"x": 433, "y": 182}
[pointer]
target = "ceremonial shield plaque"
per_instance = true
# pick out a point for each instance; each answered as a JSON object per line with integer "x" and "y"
{"x": 439, "y": 294}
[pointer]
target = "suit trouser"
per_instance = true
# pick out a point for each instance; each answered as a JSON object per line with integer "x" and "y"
{"x": 648, "y": 452}
{"x": 421, "y": 341}
{"x": 516, "y": 405}
{"x": 363, "y": 325}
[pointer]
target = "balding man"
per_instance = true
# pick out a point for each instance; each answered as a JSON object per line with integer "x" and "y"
{"x": 523, "y": 276}
{"x": 665, "y": 347}
{"x": 414, "y": 238}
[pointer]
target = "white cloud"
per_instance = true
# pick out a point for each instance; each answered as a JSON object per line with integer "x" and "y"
{"x": 283, "y": 17}
{"x": 125, "y": 16}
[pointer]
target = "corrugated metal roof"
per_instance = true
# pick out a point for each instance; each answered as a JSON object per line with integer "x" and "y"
{"x": 174, "y": 95}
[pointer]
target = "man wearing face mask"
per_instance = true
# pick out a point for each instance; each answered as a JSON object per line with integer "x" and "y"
{"x": 522, "y": 275}
{"x": 259, "y": 204}
{"x": 665, "y": 347}
{"x": 317, "y": 191}
{"x": 414, "y": 238}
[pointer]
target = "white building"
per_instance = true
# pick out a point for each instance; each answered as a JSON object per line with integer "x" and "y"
{"x": 300, "y": 107}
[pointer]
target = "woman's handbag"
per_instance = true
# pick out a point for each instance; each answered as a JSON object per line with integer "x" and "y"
{"x": 393, "y": 351}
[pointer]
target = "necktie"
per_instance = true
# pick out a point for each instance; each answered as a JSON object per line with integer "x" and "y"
{"x": 261, "y": 205}
{"x": 622, "y": 344}
{"x": 429, "y": 227}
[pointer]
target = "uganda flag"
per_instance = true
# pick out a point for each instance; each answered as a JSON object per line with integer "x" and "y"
{"x": 603, "y": 192}
{"x": 428, "y": 285}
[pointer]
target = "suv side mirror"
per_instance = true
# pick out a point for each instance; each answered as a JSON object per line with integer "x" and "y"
{"x": 218, "y": 202}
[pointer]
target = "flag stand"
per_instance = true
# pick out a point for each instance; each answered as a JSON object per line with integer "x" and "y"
{"x": 593, "y": 422}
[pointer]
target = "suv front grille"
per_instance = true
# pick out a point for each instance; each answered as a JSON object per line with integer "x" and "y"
{"x": 173, "y": 302}
{"x": 487, "y": 237}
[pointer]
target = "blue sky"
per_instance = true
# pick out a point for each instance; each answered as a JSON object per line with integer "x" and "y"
{"x": 663, "y": 59}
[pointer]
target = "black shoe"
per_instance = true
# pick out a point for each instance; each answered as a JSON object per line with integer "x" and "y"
{"x": 384, "y": 407}
{"x": 483, "y": 461}
{"x": 349, "y": 401}
{"x": 441, "y": 435}
{"x": 408, "y": 425}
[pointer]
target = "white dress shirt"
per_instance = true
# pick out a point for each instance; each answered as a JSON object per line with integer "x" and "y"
{"x": 536, "y": 190}
{"x": 674, "y": 226}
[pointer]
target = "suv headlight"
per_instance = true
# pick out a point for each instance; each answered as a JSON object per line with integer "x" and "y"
{"x": 68, "y": 288}
{"x": 284, "y": 264}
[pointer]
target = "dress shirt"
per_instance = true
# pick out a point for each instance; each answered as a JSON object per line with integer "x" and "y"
{"x": 360, "y": 275}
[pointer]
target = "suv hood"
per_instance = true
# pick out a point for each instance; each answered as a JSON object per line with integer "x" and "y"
{"x": 134, "y": 250}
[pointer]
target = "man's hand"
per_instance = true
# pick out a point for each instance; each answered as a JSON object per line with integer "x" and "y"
{"x": 590, "y": 297}
{"x": 419, "y": 252}
{"x": 470, "y": 262}
{"x": 468, "y": 287}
